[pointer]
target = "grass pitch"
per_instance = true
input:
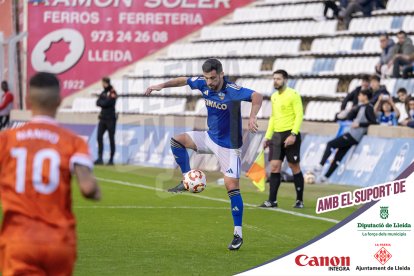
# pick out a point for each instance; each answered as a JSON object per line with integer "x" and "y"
{"x": 139, "y": 229}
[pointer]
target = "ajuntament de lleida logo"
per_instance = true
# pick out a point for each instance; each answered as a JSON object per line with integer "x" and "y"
{"x": 384, "y": 212}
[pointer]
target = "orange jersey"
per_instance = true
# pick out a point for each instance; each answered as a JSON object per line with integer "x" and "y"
{"x": 36, "y": 163}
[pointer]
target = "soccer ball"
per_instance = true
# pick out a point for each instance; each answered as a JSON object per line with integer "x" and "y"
{"x": 309, "y": 178}
{"x": 195, "y": 181}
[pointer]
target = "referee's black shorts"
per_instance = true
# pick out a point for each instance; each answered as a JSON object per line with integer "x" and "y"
{"x": 277, "y": 150}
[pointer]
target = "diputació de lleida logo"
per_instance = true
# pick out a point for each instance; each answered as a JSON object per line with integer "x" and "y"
{"x": 384, "y": 212}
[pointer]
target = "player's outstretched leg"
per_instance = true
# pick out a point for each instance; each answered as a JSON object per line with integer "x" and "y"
{"x": 236, "y": 200}
{"x": 179, "y": 146}
{"x": 183, "y": 160}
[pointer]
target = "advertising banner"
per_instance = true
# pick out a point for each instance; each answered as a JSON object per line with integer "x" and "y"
{"x": 6, "y": 18}
{"x": 84, "y": 40}
{"x": 373, "y": 161}
{"x": 139, "y": 145}
{"x": 377, "y": 239}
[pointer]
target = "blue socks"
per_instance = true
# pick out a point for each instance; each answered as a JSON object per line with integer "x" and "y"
{"x": 181, "y": 155}
{"x": 236, "y": 209}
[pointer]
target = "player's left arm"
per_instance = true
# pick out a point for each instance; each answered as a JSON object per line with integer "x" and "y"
{"x": 257, "y": 100}
{"x": 298, "y": 109}
{"x": 87, "y": 182}
{"x": 81, "y": 165}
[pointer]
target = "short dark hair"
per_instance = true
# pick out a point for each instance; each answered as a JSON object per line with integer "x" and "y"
{"x": 366, "y": 92}
{"x": 212, "y": 64}
{"x": 106, "y": 80}
{"x": 45, "y": 80}
{"x": 384, "y": 35}
{"x": 365, "y": 77}
{"x": 402, "y": 90}
{"x": 402, "y": 33}
{"x": 375, "y": 77}
{"x": 282, "y": 72}
{"x": 4, "y": 86}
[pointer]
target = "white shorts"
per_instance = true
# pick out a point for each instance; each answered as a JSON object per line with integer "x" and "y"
{"x": 229, "y": 159}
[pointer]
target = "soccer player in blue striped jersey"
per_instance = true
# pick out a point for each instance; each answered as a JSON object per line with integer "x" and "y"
{"x": 224, "y": 135}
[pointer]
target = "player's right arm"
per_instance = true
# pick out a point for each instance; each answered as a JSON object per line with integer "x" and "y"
{"x": 176, "y": 82}
{"x": 87, "y": 182}
{"x": 270, "y": 128}
{"x": 269, "y": 132}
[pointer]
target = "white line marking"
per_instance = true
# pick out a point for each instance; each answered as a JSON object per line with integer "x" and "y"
{"x": 149, "y": 207}
{"x": 155, "y": 207}
{"x": 124, "y": 183}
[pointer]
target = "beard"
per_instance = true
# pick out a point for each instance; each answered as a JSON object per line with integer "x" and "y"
{"x": 278, "y": 87}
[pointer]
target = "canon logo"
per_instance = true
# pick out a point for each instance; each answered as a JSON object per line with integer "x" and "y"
{"x": 304, "y": 260}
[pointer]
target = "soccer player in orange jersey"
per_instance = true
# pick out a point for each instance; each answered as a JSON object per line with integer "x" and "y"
{"x": 36, "y": 163}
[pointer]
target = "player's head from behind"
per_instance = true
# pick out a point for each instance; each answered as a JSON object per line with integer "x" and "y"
{"x": 4, "y": 86}
{"x": 280, "y": 78}
{"x": 213, "y": 73}
{"x": 44, "y": 94}
{"x": 364, "y": 82}
{"x": 106, "y": 83}
{"x": 402, "y": 94}
{"x": 375, "y": 82}
{"x": 364, "y": 96}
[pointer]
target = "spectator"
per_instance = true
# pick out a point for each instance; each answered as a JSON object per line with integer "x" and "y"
{"x": 343, "y": 4}
{"x": 353, "y": 97}
{"x": 401, "y": 54}
{"x": 410, "y": 120}
{"x": 6, "y": 105}
{"x": 386, "y": 111}
{"x": 402, "y": 95}
{"x": 401, "y": 104}
{"x": 330, "y": 4}
{"x": 408, "y": 71}
{"x": 362, "y": 115}
{"x": 107, "y": 119}
{"x": 377, "y": 89}
{"x": 386, "y": 45}
{"x": 354, "y": 6}
{"x": 380, "y": 4}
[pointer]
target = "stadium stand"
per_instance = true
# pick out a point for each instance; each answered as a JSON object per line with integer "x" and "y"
{"x": 325, "y": 62}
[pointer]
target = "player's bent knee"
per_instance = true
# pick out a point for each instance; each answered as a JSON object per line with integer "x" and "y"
{"x": 179, "y": 138}
{"x": 184, "y": 140}
{"x": 295, "y": 167}
{"x": 176, "y": 143}
{"x": 231, "y": 183}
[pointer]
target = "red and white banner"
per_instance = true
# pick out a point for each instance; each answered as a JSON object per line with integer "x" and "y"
{"x": 6, "y": 19}
{"x": 84, "y": 40}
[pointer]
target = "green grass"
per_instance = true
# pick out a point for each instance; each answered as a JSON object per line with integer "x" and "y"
{"x": 147, "y": 231}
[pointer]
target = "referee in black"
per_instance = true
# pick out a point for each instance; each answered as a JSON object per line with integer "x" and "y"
{"x": 107, "y": 119}
{"x": 283, "y": 137}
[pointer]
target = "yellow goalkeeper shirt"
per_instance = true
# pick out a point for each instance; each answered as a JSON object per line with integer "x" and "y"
{"x": 287, "y": 112}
